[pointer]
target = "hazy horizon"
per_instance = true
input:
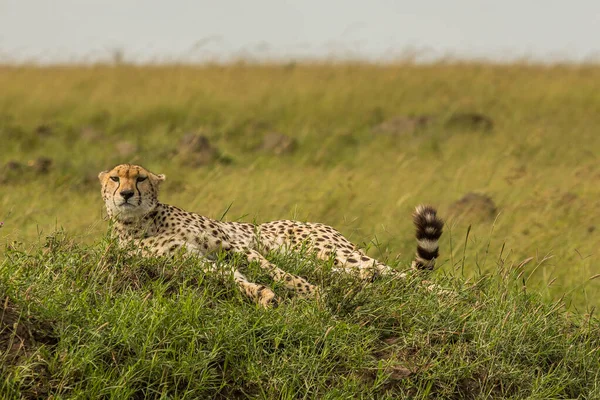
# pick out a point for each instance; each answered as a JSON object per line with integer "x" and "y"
{"x": 378, "y": 31}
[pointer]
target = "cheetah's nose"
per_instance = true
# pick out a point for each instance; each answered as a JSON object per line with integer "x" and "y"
{"x": 126, "y": 194}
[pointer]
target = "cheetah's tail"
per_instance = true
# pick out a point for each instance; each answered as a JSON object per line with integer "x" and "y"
{"x": 429, "y": 229}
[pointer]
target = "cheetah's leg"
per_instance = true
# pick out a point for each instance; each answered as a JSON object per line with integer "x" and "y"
{"x": 291, "y": 282}
{"x": 367, "y": 268}
{"x": 258, "y": 293}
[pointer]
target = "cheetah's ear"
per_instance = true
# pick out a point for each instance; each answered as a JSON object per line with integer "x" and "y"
{"x": 159, "y": 178}
{"x": 101, "y": 175}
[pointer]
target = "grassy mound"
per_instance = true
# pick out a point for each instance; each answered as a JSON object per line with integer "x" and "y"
{"x": 94, "y": 322}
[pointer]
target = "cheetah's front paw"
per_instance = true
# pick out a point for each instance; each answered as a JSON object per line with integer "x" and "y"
{"x": 267, "y": 298}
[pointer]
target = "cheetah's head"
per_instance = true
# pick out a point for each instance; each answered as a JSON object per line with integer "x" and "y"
{"x": 129, "y": 191}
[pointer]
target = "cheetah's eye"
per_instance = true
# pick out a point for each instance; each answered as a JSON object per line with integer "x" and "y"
{"x": 141, "y": 178}
{"x": 115, "y": 178}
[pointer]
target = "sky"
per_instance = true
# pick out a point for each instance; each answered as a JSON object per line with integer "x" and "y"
{"x": 59, "y": 31}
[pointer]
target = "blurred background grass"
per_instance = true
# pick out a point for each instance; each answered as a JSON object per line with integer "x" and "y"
{"x": 350, "y": 152}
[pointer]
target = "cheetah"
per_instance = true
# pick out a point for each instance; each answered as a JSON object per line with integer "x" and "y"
{"x": 130, "y": 194}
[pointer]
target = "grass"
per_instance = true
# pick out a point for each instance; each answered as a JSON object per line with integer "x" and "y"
{"x": 96, "y": 323}
{"x": 117, "y": 326}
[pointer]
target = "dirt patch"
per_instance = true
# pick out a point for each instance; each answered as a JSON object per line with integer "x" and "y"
{"x": 14, "y": 171}
{"x": 567, "y": 199}
{"x": 125, "y": 148}
{"x": 195, "y": 150}
{"x": 474, "y": 205}
{"x": 20, "y": 333}
{"x": 469, "y": 121}
{"x": 90, "y": 134}
{"x": 44, "y": 130}
{"x": 40, "y": 165}
{"x": 20, "y": 336}
{"x": 278, "y": 144}
{"x": 13, "y": 165}
{"x": 403, "y": 125}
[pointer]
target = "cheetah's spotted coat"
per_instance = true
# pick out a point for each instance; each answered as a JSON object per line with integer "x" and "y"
{"x": 130, "y": 193}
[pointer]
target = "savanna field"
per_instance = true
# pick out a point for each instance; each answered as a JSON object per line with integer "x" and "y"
{"x": 508, "y": 154}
